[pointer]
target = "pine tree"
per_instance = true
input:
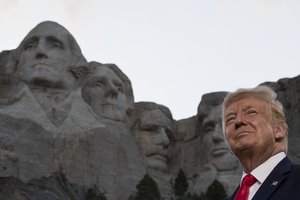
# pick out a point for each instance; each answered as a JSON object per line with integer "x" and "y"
{"x": 181, "y": 184}
{"x": 215, "y": 191}
{"x": 147, "y": 189}
{"x": 94, "y": 194}
{"x": 189, "y": 196}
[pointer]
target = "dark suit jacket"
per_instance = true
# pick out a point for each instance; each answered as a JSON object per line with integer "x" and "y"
{"x": 283, "y": 183}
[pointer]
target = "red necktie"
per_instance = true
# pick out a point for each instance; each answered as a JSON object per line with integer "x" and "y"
{"x": 243, "y": 192}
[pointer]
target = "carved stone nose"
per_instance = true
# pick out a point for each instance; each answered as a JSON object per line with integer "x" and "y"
{"x": 40, "y": 56}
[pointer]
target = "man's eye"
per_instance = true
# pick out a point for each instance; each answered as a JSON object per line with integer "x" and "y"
{"x": 150, "y": 128}
{"x": 56, "y": 45}
{"x": 119, "y": 86}
{"x": 98, "y": 84}
{"x": 120, "y": 89}
{"x": 30, "y": 45}
{"x": 209, "y": 127}
{"x": 251, "y": 112}
{"x": 230, "y": 120}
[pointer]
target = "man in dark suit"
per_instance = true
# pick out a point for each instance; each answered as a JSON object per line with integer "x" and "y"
{"x": 255, "y": 129}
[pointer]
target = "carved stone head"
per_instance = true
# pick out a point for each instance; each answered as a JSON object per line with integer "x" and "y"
{"x": 109, "y": 92}
{"x": 213, "y": 146}
{"x": 152, "y": 129}
{"x": 47, "y": 57}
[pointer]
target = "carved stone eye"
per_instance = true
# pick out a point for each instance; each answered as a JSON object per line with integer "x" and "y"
{"x": 210, "y": 126}
{"x": 56, "y": 45}
{"x": 98, "y": 84}
{"x": 30, "y": 45}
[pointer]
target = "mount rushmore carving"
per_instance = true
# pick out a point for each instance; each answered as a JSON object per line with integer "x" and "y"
{"x": 68, "y": 124}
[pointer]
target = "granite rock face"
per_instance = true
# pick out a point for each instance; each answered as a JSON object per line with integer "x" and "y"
{"x": 288, "y": 91}
{"x": 69, "y": 125}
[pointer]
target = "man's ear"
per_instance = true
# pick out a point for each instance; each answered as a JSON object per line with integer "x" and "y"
{"x": 279, "y": 132}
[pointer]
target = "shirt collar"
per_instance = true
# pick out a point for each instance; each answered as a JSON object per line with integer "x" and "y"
{"x": 263, "y": 170}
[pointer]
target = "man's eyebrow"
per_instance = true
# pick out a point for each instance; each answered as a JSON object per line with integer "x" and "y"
{"x": 33, "y": 38}
{"x": 54, "y": 39}
{"x": 243, "y": 109}
{"x": 248, "y": 107}
{"x": 230, "y": 113}
{"x": 118, "y": 82}
{"x": 205, "y": 121}
{"x": 147, "y": 124}
{"x": 96, "y": 78}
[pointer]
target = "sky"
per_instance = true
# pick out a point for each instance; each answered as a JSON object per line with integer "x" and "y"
{"x": 173, "y": 51}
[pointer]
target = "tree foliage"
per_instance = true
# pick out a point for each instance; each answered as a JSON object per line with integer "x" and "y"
{"x": 147, "y": 189}
{"x": 215, "y": 191}
{"x": 94, "y": 194}
{"x": 181, "y": 185}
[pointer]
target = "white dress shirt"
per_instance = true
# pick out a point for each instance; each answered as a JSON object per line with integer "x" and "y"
{"x": 262, "y": 172}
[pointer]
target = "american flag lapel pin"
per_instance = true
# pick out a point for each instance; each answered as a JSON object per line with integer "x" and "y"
{"x": 274, "y": 183}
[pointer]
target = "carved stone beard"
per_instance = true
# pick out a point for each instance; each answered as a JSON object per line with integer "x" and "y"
{"x": 55, "y": 102}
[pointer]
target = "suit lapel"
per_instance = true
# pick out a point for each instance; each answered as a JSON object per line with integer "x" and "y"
{"x": 274, "y": 179}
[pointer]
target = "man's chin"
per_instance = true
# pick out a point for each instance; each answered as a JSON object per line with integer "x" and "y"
{"x": 226, "y": 162}
{"x": 113, "y": 113}
{"x": 157, "y": 164}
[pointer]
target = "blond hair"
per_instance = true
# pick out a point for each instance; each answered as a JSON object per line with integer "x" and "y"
{"x": 265, "y": 94}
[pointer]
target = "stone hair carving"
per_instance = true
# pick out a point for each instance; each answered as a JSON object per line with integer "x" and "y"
{"x": 10, "y": 86}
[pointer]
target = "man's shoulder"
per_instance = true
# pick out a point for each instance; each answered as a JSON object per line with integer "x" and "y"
{"x": 294, "y": 170}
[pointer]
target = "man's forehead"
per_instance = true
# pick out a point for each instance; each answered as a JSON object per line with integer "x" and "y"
{"x": 214, "y": 114}
{"x": 104, "y": 71}
{"x": 245, "y": 103}
{"x": 48, "y": 30}
{"x": 155, "y": 116}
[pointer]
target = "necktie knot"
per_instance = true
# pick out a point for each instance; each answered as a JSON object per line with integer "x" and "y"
{"x": 248, "y": 180}
{"x": 243, "y": 191}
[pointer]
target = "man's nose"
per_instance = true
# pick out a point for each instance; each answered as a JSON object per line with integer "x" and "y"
{"x": 41, "y": 50}
{"x": 239, "y": 121}
{"x": 163, "y": 137}
{"x": 111, "y": 90}
{"x": 218, "y": 133}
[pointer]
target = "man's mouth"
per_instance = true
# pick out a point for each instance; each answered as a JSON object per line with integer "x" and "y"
{"x": 40, "y": 66}
{"x": 241, "y": 133}
{"x": 160, "y": 157}
{"x": 219, "y": 152}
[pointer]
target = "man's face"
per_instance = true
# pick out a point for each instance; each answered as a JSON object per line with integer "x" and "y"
{"x": 249, "y": 127}
{"x": 213, "y": 142}
{"x": 153, "y": 138}
{"x": 45, "y": 57}
{"x": 105, "y": 92}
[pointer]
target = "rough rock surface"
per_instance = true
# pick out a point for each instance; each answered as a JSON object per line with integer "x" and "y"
{"x": 57, "y": 139}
